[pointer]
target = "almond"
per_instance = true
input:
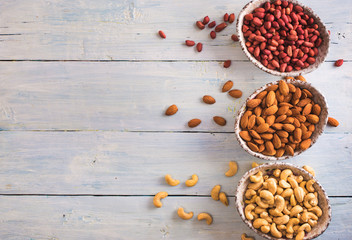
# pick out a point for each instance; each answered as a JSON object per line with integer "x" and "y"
{"x": 262, "y": 128}
{"x": 235, "y": 93}
{"x": 245, "y": 136}
{"x": 277, "y": 126}
{"x": 289, "y": 127}
{"x": 219, "y": 120}
{"x": 297, "y": 134}
{"x": 282, "y": 110}
{"x": 316, "y": 109}
{"x": 253, "y": 147}
{"x": 301, "y": 78}
{"x": 333, "y": 122}
{"x": 289, "y": 150}
{"x": 309, "y": 94}
{"x": 269, "y": 147}
{"x": 306, "y": 135}
{"x": 208, "y": 99}
{"x": 305, "y": 144}
{"x": 279, "y": 152}
{"x": 171, "y": 110}
{"x": 258, "y": 111}
{"x": 270, "y": 120}
{"x": 297, "y": 95}
{"x": 251, "y": 122}
{"x": 283, "y": 87}
{"x": 312, "y": 118}
{"x": 261, "y": 95}
{"x": 307, "y": 109}
{"x": 311, "y": 128}
{"x": 258, "y": 141}
{"x": 301, "y": 118}
{"x": 282, "y": 134}
{"x": 304, "y": 102}
{"x": 194, "y": 122}
{"x": 276, "y": 141}
{"x": 253, "y": 103}
{"x": 254, "y": 134}
{"x": 296, "y": 123}
{"x": 244, "y": 119}
{"x": 270, "y": 98}
{"x": 266, "y": 136}
{"x": 272, "y": 88}
{"x": 260, "y": 120}
{"x": 291, "y": 87}
{"x": 280, "y": 118}
{"x": 271, "y": 110}
{"x": 227, "y": 86}
{"x": 261, "y": 148}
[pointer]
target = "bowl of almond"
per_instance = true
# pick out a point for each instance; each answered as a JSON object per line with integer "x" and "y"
{"x": 281, "y": 119}
{"x": 283, "y": 201}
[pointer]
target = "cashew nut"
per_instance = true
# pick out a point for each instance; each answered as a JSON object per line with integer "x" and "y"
{"x": 265, "y": 216}
{"x": 296, "y": 210}
{"x": 267, "y": 196}
{"x": 256, "y": 186}
{"x": 260, "y": 203}
{"x": 274, "y": 231}
{"x": 287, "y": 193}
{"x": 254, "y": 164}
{"x": 272, "y": 186}
{"x": 310, "y": 200}
{"x": 316, "y": 210}
{"x": 312, "y": 222}
{"x": 281, "y": 227}
{"x": 257, "y": 177}
{"x": 279, "y": 203}
{"x": 215, "y": 192}
{"x": 249, "y": 193}
{"x": 293, "y": 201}
{"x": 290, "y": 224}
{"x": 248, "y": 211}
{"x": 172, "y": 182}
{"x": 260, "y": 222}
{"x": 233, "y": 169}
{"x": 284, "y": 184}
{"x": 281, "y": 220}
{"x": 252, "y": 200}
{"x": 289, "y": 235}
{"x": 300, "y": 235}
{"x": 259, "y": 210}
{"x": 244, "y": 237}
{"x": 299, "y": 194}
{"x": 182, "y": 214}
{"x": 277, "y": 173}
{"x": 265, "y": 229}
{"x": 223, "y": 198}
{"x": 193, "y": 181}
{"x": 285, "y": 174}
{"x": 160, "y": 195}
{"x": 206, "y": 216}
{"x": 298, "y": 179}
{"x": 293, "y": 182}
{"x": 279, "y": 190}
{"x": 309, "y": 169}
{"x": 305, "y": 227}
{"x": 303, "y": 185}
{"x": 308, "y": 215}
{"x": 309, "y": 185}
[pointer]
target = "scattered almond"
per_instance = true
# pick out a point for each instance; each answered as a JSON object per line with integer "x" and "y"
{"x": 208, "y": 99}
{"x": 194, "y": 122}
{"x": 333, "y": 122}
{"x": 227, "y": 86}
{"x": 235, "y": 93}
{"x": 219, "y": 120}
{"x": 171, "y": 110}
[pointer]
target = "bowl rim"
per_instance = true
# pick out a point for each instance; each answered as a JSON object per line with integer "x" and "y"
{"x": 241, "y": 111}
{"x": 266, "y": 166}
{"x": 323, "y": 32}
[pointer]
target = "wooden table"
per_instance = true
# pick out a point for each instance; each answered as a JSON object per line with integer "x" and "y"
{"x": 85, "y": 144}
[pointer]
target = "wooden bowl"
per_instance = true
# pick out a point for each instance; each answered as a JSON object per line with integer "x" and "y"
{"x": 323, "y": 221}
{"x": 323, "y": 48}
{"x": 319, "y": 128}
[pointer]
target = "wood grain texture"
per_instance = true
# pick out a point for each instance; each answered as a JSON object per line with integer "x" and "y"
{"x": 128, "y": 163}
{"x": 127, "y": 30}
{"x": 135, "y": 218}
{"x": 133, "y": 96}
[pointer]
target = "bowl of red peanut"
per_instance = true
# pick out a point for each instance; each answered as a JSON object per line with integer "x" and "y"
{"x": 283, "y": 38}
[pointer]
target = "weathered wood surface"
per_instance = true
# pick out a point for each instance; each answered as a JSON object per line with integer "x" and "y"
{"x": 40, "y": 217}
{"x": 127, "y": 30}
{"x": 132, "y": 96}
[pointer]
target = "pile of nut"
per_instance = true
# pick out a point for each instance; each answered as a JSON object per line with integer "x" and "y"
{"x": 282, "y": 204}
{"x": 280, "y": 120}
{"x": 281, "y": 36}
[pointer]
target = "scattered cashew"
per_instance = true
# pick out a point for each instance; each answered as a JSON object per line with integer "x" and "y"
{"x": 257, "y": 177}
{"x": 206, "y": 216}
{"x": 215, "y": 192}
{"x": 223, "y": 198}
{"x": 248, "y": 211}
{"x": 260, "y": 222}
{"x": 309, "y": 185}
{"x": 172, "y": 182}
{"x": 193, "y": 181}
{"x": 244, "y": 237}
{"x": 309, "y": 169}
{"x": 182, "y": 214}
{"x": 274, "y": 231}
{"x": 160, "y": 195}
{"x": 233, "y": 169}
{"x": 316, "y": 210}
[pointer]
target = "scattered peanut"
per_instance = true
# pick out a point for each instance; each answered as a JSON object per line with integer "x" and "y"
{"x": 160, "y": 195}
{"x": 193, "y": 181}
{"x": 206, "y": 216}
{"x": 182, "y": 214}
{"x": 282, "y": 204}
{"x": 233, "y": 169}
{"x": 172, "y": 182}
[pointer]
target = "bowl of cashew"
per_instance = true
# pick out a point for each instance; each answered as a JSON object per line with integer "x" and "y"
{"x": 283, "y": 201}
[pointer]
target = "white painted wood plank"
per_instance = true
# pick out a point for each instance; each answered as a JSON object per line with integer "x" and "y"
{"x": 135, "y": 218}
{"x": 136, "y": 163}
{"x": 127, "y": 30}
{"x": 133, "y": 96}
